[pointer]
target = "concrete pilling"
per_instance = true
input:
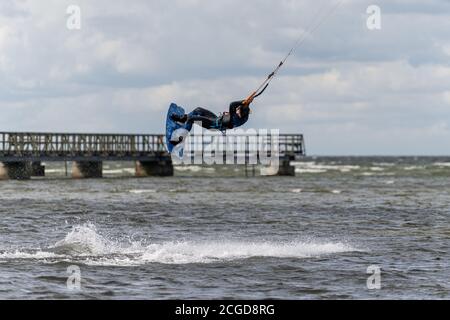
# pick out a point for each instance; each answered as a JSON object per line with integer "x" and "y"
{"x": 24, "y": 170}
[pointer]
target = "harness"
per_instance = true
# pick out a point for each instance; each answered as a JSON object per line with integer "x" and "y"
{"x": 225, "y": 120}
{"x": 223, "y": 123}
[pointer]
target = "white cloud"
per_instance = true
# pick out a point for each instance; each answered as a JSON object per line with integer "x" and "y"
{"x": 349, "y": 89}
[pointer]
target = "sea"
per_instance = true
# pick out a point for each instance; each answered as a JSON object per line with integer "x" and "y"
{"x": 342, "y": 228}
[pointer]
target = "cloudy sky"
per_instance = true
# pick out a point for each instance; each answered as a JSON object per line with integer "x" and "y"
{"x": 349, "y": 89}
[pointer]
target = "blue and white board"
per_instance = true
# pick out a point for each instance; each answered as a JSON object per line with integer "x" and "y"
{"x": 174, "y": 131}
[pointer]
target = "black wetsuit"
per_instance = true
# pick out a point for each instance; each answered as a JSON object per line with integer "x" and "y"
{"x": 209, "y": 120}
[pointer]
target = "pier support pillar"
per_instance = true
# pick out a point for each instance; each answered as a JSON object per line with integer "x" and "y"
{"x": 87, "y": 169}
{"x": 37, "y": 169}
{"x": 20, "y": 170}
{"x": 283, "y": 170}
{"x": 286, "y": 169}
{"x": 157, "y": 168}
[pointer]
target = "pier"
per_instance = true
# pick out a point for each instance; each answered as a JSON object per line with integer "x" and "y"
{"x": 22, "y": 154}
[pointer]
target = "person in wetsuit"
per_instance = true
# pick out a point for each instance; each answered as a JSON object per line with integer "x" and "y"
{"x": 236, "y": 116}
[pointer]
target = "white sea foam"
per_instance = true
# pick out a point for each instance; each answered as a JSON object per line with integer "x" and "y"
{"x": 141, "y": 191}
{"x": 199, "y": 252}
{"x": 378, "y": 174}
{"x": 55, "y": 171}
{"x": 25, "y": 255}
{"x": 84, "y": 239}
{"x": 411, "y": 168}
{"x": 313, "y": 167}
{"x": 385, "y": 164}
{"x": 310, "y": 170}
{"x": 189, "y": 168}
{"x": 113, "y": 171}
{"x": 85, "y": 245}
{"x": 119, "y": 171}
{"x": 442, "y": 164}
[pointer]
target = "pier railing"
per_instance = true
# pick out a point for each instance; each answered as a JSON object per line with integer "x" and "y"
{"x": 23, "y": 146}
{"x": 68, "y": 146}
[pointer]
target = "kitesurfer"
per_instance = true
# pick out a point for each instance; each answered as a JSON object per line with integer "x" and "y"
{"x": 237, "y": 116}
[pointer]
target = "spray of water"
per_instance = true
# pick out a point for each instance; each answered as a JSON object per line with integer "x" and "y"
{"x": 84, "y": 244}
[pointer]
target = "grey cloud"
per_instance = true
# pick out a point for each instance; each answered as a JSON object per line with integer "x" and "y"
{"x": 132, "y": 58}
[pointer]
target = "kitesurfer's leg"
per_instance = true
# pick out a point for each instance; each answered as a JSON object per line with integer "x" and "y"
{"x": 206, "y": 118}
{"x": 203, "y": 112}
{"x": 178, "y": 118}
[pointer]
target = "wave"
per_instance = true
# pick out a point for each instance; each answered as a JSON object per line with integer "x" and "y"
{"x": 297, "y": 170}
{"x": 442, "y": 164}
{"x": 384, "y": 164}
{"x": 313, "y": 167}
{"x": 48, "y": 171}
{"x": 335, "y": 191}
{"x": 189, "y": 168}
{"x": 141, "y": 191}
{"x": 195, "y": 252}
{"x": 84, "y": 239}
{"x": 28, "y": 255}
{"x": 195, "y": 169}
{"x": 84, "y": 245}
{"x": 411, "y": 168}
{"x": 119, "y": 171}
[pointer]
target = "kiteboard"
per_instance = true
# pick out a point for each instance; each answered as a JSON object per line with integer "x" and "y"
{"x": 176, "y": 132}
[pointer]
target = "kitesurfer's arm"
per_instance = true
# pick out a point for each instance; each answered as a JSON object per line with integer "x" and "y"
{"x": 238, "y": 108}
{"x": 235, "y": 105}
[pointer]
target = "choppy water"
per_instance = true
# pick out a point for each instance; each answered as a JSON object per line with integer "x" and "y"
{"x": 209, "y": 237}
